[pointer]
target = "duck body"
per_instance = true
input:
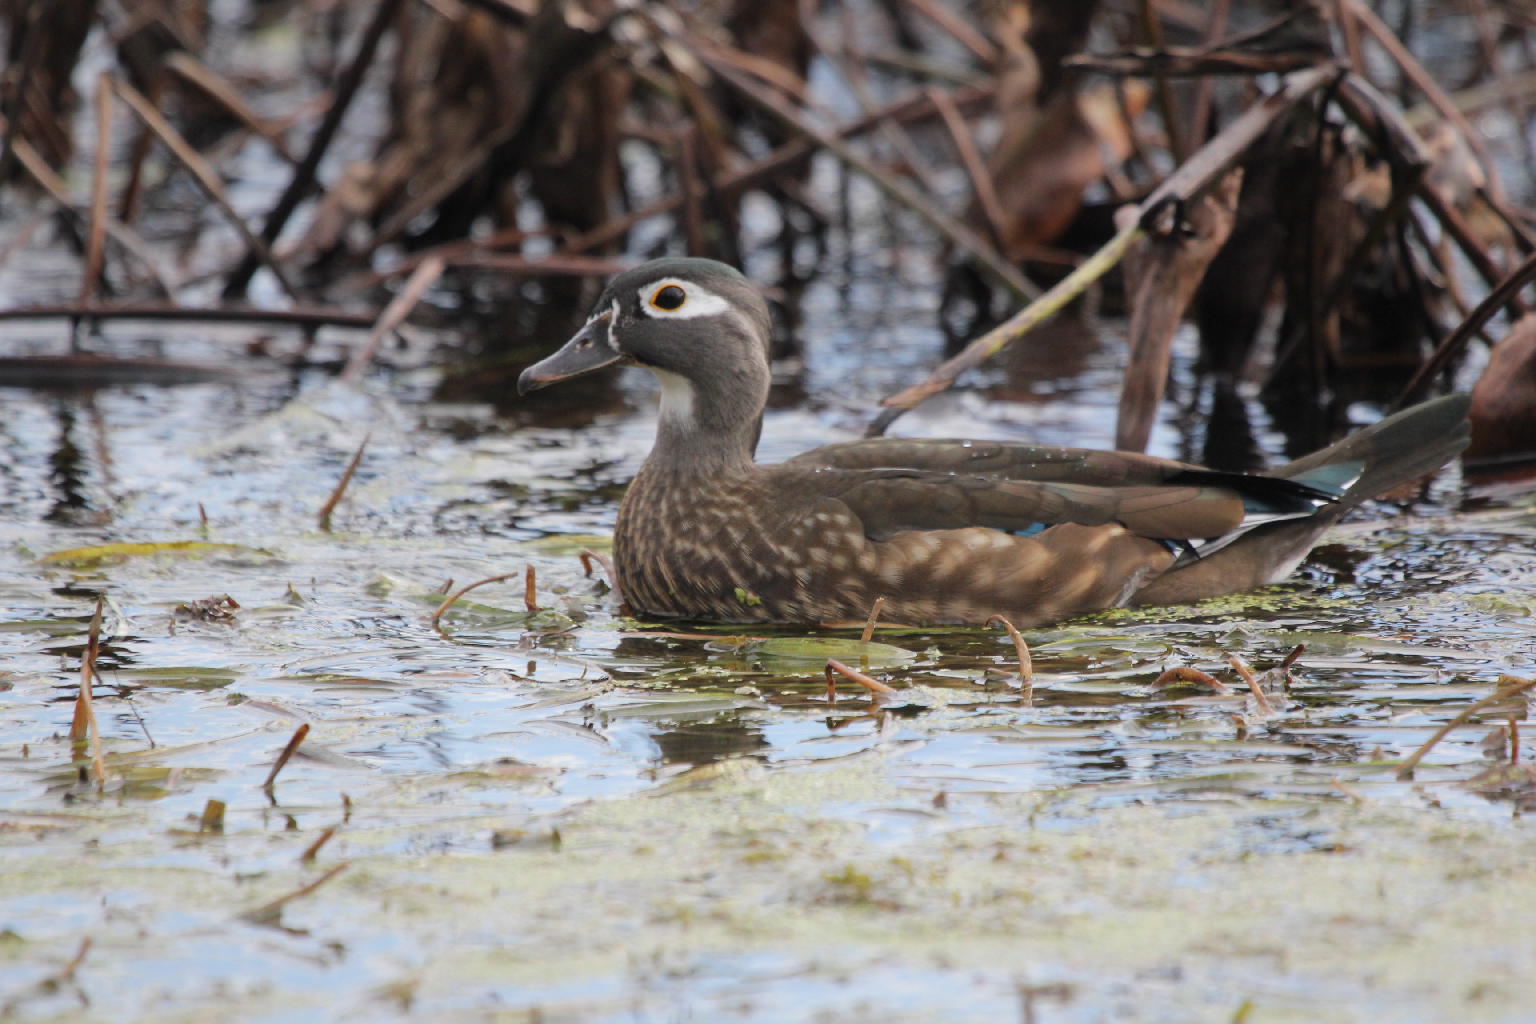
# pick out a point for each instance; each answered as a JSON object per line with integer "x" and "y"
{"x": 810, "y": 542}
{"x": 945, "y": 531}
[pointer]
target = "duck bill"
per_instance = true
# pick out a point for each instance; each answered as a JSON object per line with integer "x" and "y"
{"x": 588, "y": 350}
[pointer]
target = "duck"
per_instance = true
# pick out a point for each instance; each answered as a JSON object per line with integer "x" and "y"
{"x": 946, "y": 531}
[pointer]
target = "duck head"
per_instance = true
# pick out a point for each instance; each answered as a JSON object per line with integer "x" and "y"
{"x": 700, "y": 326}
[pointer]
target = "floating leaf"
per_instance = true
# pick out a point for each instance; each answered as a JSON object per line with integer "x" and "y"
{"x": 48, "y": 627}
{"x": 179, "y": 677}
{"x": 811, "y": 652}
{"x": 671, "y": 706}
{"x": 98, "y": 555}
{"x": 569, "y": 543}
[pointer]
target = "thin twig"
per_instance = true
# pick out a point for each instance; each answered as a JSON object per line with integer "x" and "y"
{"x": 1449, "y": 349}
{"x": 131, "y": 197}
{"x": 1425, "y": 83}
{"x": 304, "y": 174}
{"x": 67, "y": 974}
{"x": 1009, "y": 331}
{"x": 341, "y": 485}
{"x": 530, "y": 590}
{"x": 205, "y": 176}
{"x": 975, "y": 168}
{"x": 95, "y": 246}
{"x": 1190, "y": 674}
{"x": 1192, "y": 177}
{"x": 400, "y": 307}
{"x": 313, "y": 848}
{"x": 299, "y": 316}
{"x": 1021, "y": 649}
{"x": 1205, "y": 88}
{"x": 1185, "y": 62}
{"x": 869, "y": 683}
{"x": 959, "y": 28}
{"x": 288, "y": 751}
{"x": 451, "y": 598}
{"x": 1504, "y": 689}
{"x": 962, "y": 237}
{"x": 874, "y": 617}
{"x": 269, "y": 911}
{"x": 33, "y": 163}
{"x": 686, "y": 167}
{"x": 1241, "y": 668}
{"x": 1349, "y": 791}
{"x": 83, "y": 727}
{"x": 223, "y": 92}
{"x": 26, "y": 37}
{"x": 1154, "y": 32}
{"x": 79, "y": 726}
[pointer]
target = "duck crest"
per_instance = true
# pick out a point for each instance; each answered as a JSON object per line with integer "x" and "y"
{"x": 945, "y": 531}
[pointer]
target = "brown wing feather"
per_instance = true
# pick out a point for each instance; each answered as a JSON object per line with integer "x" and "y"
{"x": 891, "y": 500}
{"x": 998, "y": 459}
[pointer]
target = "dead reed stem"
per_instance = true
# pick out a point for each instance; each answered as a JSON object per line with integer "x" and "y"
{"x": 297, "y": 316}
{"x": 530, "y": 590}
{"x": 83, "y": 728}
{"x": 448, "y": 602}
{"x": 97, "y": 239}
{"x": 288, "y": 751}
{"x": 310, "y": 851}
{"x": 1026, "y": 663}
{"x": 341, "y": 485}
{"x": 875, "y": 686}
{"x": 1191, "y": 178}
{"x": 1505, "y": 689}
{"x": 205, "y": 176}
{"x": 1241, "y": 668}
{"x": 1448, "y": 350}
{"x": 270, "y": 911}
{"x": 422, "y": 278}
{"x": 962, "y": 237}
{"x": 304, "y": 174}
{"x": 874, "y": 617}
{"x": 1190, "y": 674}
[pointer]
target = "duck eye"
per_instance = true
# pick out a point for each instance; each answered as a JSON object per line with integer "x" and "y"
{"x": 669, "y": 298}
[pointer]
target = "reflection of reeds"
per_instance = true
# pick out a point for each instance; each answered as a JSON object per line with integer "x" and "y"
{"x": 502, "y": 135}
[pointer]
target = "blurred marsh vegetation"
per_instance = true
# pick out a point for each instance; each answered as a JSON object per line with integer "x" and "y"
{"x": 245, "y": 244}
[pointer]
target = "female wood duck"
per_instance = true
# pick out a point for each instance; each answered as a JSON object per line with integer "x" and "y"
{"x": 945, "y": 531}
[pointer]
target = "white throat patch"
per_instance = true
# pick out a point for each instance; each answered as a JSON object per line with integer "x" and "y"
{"x": 676, "y": 397}
{"x": 700, "y": 301}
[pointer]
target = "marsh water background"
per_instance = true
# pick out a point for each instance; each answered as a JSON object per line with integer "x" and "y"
{"x": 573, "y": 816}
